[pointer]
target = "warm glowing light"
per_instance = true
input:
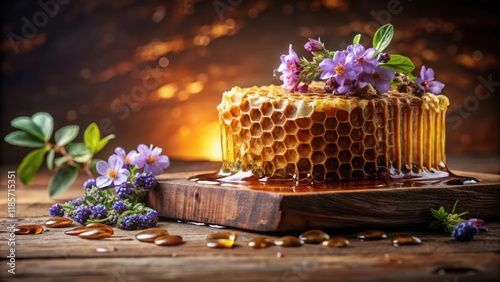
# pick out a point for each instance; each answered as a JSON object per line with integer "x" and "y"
{"x": 167, "y": 91}
{"x": 194, "y": 87}
{"x": 199, "y": 143}
{"x": 201, "y": 40}
{"x": 184, "y": 131}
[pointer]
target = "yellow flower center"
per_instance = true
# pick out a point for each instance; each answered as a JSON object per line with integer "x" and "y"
{"x": 340, "y": 69}
{"x": 151, "y": 160}
{"x": 112, "y": 173}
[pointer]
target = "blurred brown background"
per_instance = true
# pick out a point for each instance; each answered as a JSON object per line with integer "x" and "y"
{"x": 153, "y": 71}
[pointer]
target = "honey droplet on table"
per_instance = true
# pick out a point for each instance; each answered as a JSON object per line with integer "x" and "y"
{"x": 372, "y": 235}
{"x": 100, "y": 226}
{"x": 314, "y": 236}
{"x": 149, "y": 235}
{"x": 105, "y": 249}
{"x": 336, "y": 242}
{"x": 94, "y": 234}
{"x": 405, "y": 240}
{"x": 220, "y": 243}
{"x": 168, "y": 240}
{"x": 76, "y": 231}
{"x": 229, "y": 235}
{"x": 289, "y": 241}
{"x": 58, "y": 222}
{"x": 28, "y": 229}
{"x": 260, "y": 242}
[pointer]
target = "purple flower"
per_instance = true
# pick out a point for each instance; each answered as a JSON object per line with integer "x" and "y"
{"x": 380, "y": 79}
{"x": 87, "y": 185}
{"x": 151, "y": 160}
{"x": 363, "y": 60}
{"x": 126, "y": 158}
{"x": 427, "y": 83}
{"x": 112, "y": 172}
{"x": 340, "y": 69}
{"x": 479, "y": 224}
{"x": 465, "y": 231}
{"x": 56, "y": 210}
{"x": 313, "y": 45}
{"x": 290, "y": 68}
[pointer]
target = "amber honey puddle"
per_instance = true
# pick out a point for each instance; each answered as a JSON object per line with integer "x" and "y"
{"x": 250, "y": 181}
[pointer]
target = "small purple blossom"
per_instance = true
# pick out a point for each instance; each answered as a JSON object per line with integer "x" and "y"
{"x": 290, "y": 68}
{"x": 56, "y": 210}
{"x": 126, "y": 158}
{"x": 99, "y": 211}
{"x": 427, "y": 83}
{"x": 87, "y": 185}
{"x": 124, "y": 190}
{"x": 465, "y": 231}
{"x": 120, "y": 207}
{"x": 150, "y": 159}
{"x": 479, "y": 224}
{"x": 362, "y": 60}
{"x": 313, "y": 45}
{"x": 340, "y": 69}
{"x": 112, "y": 172}
{"x": 380, "y": 79}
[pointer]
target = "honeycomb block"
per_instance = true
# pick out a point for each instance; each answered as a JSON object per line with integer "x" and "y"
{"x": 321, "y": 137}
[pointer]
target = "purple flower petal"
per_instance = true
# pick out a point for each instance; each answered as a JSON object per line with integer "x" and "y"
{"x": 119, "y": 179}
{"x": 103, "y": 181}
{"x": 435, "y": 87}
{"x": 102, "y": 167}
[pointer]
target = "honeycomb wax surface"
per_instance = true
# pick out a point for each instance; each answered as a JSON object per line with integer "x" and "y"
{"x": 318, "y": 136}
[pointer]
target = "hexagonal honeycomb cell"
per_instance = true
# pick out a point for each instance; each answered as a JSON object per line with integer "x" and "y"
{"x": 321, "y": 137}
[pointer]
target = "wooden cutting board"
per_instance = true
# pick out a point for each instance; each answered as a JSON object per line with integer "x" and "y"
{"x": 240, "y": 207}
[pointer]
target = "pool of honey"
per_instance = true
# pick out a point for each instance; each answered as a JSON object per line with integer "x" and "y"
{"x": 248, "y": 179}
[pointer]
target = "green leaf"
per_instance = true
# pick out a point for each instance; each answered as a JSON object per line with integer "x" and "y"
{"x": 438, "y": 215}
{"x": 26, "y": 124}
{"x": 45, "y": 122}
{"x": 382, "y": 38}
{"x": 62, "y": 180}
{"x": 356, "y": 39}
{"x": 103, "y": 142}
{"x": 50, "y": 159}
{"x": 60, "y": 161}
{"x": 454, "y": 206}
{"x": 30, "y": 165}
{"x": 91, "y": 137}
{"x": 399, "y": 63}
{"x": 22, "y": 138}
{"x": 66, "y": 134}
{"x": 93, "y": 166}
{"x": 79, "y": 152}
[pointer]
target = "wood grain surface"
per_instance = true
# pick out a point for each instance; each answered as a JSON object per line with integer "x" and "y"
{"x": 54, "y": 256}
{"x": 260, "y": 210}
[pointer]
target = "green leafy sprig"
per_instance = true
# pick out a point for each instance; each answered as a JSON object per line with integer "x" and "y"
{"x": 64, "y": 157}
{"x": 448, "y": 221}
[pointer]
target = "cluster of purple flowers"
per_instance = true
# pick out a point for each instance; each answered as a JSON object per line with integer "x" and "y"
{"x": 138, "y": 221}
{"x": 116, "y": 170}
{"x": 115, "y": 197}
{"x": 346, "y": 71}
{"x": 356, "y": 67}
{"x": 466, "y": 231}
{"x": 291, "y": 72}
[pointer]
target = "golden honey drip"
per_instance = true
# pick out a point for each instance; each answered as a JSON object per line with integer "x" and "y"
{"x": 321, "y": 137}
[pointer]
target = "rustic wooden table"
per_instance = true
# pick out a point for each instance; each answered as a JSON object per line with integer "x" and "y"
{"x": 54, "y": 256}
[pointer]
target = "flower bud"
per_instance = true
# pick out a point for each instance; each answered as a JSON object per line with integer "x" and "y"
{"x": 383, "y": 58}
{"x": 313, "y": 45}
